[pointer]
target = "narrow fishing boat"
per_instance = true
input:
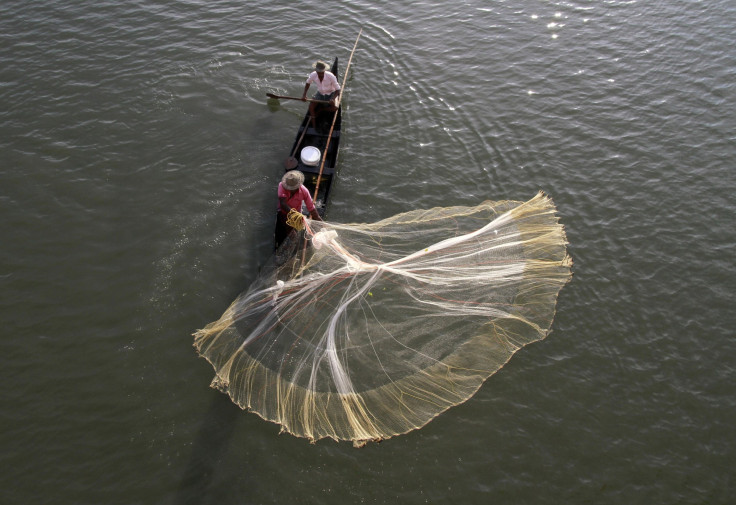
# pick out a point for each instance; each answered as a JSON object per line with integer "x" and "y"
{"x": 314, "y": 152}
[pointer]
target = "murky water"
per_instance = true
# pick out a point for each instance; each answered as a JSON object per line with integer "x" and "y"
{"x": 137, "y": 186}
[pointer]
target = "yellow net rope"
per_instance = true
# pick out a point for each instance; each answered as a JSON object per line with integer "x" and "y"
{"x": 388, "y": 324}
{"x": 295, "y": 219}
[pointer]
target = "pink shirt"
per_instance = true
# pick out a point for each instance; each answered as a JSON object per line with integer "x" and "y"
{"x": 295, "y": 202}
{"x": 327, "y": 85}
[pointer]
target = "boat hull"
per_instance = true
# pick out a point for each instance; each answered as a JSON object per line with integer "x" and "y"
{"x": 318, "y": 178}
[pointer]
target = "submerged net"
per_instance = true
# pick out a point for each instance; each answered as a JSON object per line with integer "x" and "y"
{"x": 374, "y": 329}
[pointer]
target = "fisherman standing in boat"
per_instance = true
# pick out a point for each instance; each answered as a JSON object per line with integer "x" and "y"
{"x": 328, "y": 89}
{"x": 292, "y": 194}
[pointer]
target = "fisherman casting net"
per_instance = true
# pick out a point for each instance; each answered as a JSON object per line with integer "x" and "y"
{"x": 374, "y": 329}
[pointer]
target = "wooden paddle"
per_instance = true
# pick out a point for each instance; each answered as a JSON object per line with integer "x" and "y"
{"x": 271, "y": 95}
{"x": 291, "y": 162}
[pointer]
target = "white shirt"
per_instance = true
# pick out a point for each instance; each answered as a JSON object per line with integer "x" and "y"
{"x": 327, "y": 85}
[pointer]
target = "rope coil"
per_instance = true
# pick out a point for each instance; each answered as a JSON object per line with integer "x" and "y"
{"x": 295, "y": 219}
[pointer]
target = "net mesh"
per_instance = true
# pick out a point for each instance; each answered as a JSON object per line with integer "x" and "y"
{"x": 372, "y": 330}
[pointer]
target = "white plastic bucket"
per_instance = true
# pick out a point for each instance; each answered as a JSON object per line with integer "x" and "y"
{"x": 310, "y": 155}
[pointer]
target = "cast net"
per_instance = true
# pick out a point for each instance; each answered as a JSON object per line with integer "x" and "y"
{"x": 372, "y": 330}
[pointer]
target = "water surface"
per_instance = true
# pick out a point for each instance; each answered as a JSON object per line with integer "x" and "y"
{"x": 137, "y": 186}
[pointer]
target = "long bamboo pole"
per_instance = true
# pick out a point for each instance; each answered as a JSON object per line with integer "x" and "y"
{"x": 334, "y": 119}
